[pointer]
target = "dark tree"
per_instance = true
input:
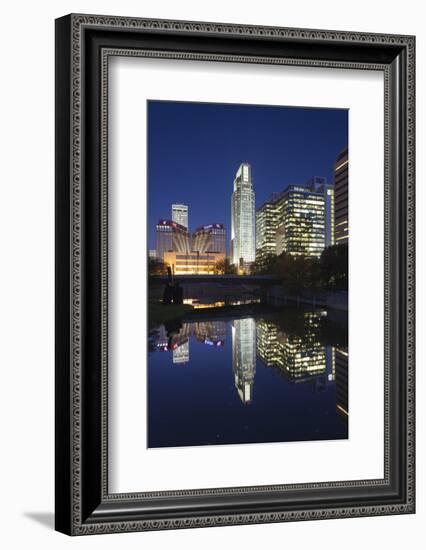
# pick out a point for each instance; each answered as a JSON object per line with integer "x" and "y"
{"x": 224, "y": 267}
{"x": 156, "y": 267}
{"x": 334, "y": 267}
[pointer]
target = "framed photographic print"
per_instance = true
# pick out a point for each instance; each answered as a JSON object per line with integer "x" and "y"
{"x": 234, "y": 274}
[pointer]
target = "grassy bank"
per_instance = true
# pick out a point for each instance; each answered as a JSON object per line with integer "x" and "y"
{"x": 159, "y": 313}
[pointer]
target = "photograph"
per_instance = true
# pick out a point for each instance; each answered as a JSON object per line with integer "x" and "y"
{"x": 248, "y": 247}
{"x": 234, "y": 272}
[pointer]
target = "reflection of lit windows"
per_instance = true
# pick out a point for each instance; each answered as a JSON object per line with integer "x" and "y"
{"x": 181, "y": 354}
{"x": 300, "y": 357}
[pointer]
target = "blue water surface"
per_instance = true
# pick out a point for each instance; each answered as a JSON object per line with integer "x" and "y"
{"x": 247, "y": 380}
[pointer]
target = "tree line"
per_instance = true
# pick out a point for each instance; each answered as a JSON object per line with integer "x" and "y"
{"x": 328, "y": 272}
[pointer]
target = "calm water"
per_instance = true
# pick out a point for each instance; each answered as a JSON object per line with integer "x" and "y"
{"x": 248, "y": 380}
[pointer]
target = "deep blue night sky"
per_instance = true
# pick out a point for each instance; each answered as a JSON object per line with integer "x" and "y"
{"x": 194, "y": 150}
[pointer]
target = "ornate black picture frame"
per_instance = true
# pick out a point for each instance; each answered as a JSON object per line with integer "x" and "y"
{"x": 84, "y": 44}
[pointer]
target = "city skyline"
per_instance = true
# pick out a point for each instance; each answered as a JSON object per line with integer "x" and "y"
{"x": 299, "y": 221}
{"x": 247, "y": 292}
{"x": 206, "y": 143}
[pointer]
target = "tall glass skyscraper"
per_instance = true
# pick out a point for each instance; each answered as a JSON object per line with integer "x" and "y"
{"x": 320, "y": 185}
{"x": 267, "y": 220}
{"x": 301, "y": 231}
{"x": 341, "y": 174}
{"x": 243, "y": 232}
{"x": 299, "y": 221}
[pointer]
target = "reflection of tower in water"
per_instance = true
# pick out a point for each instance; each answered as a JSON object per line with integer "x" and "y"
{"x": 181, "y": 353}
{"x": 244, "y": 357}
{"x": 179, "y": 343}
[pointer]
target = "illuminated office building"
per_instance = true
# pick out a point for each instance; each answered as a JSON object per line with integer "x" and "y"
{"x": 341, "y": 191}
{"x": 196, "y": 256}
{"x": 171, "y": 237}
{"x": 193, "y": 263}
{"x": 244, "y": 357}
{"x": 266, "y": 229}
{"x": 301, "y": 228}
{"x": 180, "y": 214}
{"x": 243, "y": 230}
{"x": 210, "y": 238}
{"x": 152, "y": 254}
{"x": 320, "y": 185}
{"x": 299, "y": 221}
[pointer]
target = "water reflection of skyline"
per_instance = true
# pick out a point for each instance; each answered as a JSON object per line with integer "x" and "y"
{"x": 297, "y": 354}
{"x": 177, "y": 338}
